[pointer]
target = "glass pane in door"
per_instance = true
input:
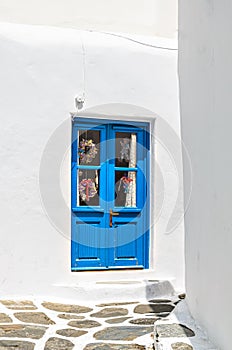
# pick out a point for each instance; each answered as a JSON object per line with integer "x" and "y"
{"x": 125, "y": 189}
{"x": 125, "y": 149}
{"x": 88, "y": 187}
{"x": 89, "y": 147}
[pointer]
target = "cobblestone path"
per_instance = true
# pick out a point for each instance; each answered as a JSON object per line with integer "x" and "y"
{"x": 46, "y": 325}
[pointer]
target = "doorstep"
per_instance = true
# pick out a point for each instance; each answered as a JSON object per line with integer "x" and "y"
{"x": 116, "y": 289}
{"x": 115, "y": 285}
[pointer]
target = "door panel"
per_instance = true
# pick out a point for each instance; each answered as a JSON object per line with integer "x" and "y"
{"x": 125, "y": 251}
{"x": 109, "y": 192}
{"x": 87, "y": 240}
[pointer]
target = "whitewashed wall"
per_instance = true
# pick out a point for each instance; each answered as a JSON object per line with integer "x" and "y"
{"x": 42, "y": 70}
{"x": 149, "y": 17}
{"x": 205, "y": 85}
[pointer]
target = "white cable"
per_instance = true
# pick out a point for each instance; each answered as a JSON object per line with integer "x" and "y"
{"x": 130, "y": 39}
{"x": 116, "y": 35}
{"x": 84, "y": 65}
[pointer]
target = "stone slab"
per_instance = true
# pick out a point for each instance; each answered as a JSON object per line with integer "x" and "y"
{"x": 34, "y": 317}
{"x": 58, "y": 344}
{"x": 159, "y": 315}
{"x": 68, "y": 308}
{"x": 125, "y": 333}
{"x": 104, "y": 346}
{"x": 70, "y": 332}
{"x": 16, "y": 345}
{"x": 84, "y": 324}
{"x": 71, "y": 317}
{"x": 110, "y": 312}
{"x": 182, "y": 296}
{"x": 117, "y": 320}
{"x": 19, "y": 304}
{"x": 4, "y": 318}
{"x": 153, "y": 308}
{"x": 144, "y": 321}
{"x": 181, "y": 346}
{"x": 22, "y": 331}
{"x": 160, "y": 301}
{"x": 173, "y": 330}
{"x": 118, "y": 303}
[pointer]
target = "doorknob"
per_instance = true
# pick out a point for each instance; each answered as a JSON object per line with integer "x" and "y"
{"x": 111, "y": 217}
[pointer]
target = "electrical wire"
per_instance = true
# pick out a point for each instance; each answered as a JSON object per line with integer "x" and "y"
{"x": 84, "y": 65}
{"x": 133, "y": 40}
{"x": 115, "y": 35}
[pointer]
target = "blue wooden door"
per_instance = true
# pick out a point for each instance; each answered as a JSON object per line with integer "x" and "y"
{"x": 110, "y": 201}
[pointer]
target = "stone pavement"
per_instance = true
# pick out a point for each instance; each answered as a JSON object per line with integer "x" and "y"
{"x": 46, "y": 325}
{"x": 179, "y": 331}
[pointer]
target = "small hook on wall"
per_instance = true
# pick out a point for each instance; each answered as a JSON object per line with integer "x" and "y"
{"x": 79, "y": 101}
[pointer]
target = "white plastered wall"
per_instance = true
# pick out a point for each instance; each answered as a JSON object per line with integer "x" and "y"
{"x": 149, "y": 17}
{"x": 43, "y": 69}
{"x": 205, "y": 57}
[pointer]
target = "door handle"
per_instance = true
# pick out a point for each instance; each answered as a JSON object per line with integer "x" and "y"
{"x": 111, "y": 217}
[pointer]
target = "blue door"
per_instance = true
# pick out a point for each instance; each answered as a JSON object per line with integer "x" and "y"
{"x": 110, "y": 194}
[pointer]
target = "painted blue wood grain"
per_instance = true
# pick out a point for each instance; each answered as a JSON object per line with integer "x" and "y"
{"x": 96, "y": 245}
